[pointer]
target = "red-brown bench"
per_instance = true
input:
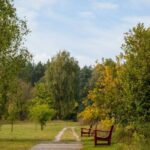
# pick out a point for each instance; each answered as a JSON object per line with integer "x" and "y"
{"x": 86, "y": 132}
{"x": 107, "y": 137}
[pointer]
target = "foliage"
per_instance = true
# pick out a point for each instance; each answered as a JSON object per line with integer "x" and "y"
{"x": 90, "y": 115}
{"x": 105, "y": 93}
{"x": 23, "y": 95}
{"x": 32, "y": 73}
{"x": 41, "y": 95}
{"x": 41, "y": 114}
{"x": 13, "y": 54}
{"x": 136, "y": 77}
{"x": 122, "y": 87}
{"x": 84, "y": 85}
{"x": 62, "y": 79}
{"x": 18, "y": 101}
{"x": 106, "y": 123}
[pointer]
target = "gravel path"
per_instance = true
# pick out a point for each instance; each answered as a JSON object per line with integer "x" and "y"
{"x": 57, "y": 145}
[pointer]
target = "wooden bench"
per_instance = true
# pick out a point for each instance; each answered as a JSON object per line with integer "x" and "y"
{"x": 107, "y": 137}
{"x": 86, "y": 132}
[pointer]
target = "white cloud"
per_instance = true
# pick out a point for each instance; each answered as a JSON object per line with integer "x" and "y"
{"x": 45, "y": 42}
{"x": 102, "y": 43}
{"x": 30, "y": 9}
{"x": 106, "y": 5}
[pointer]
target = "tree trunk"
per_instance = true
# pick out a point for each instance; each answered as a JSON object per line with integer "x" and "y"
{"x": 96, "y": 126}
{"x": 42, "y": 126}
{"x": 12, "y": 126}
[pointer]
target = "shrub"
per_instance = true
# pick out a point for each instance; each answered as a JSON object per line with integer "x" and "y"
{"x": 41, "y": 114}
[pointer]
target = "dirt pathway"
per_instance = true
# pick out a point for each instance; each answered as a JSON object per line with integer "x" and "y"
{"x": 75, "y": 134}
{"x": 58, "y": 145}
{"x": 58, "y": 136}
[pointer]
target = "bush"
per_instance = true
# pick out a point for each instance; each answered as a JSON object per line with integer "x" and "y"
{"x": 132, "y": 137}
{"x": 41, "y": 114}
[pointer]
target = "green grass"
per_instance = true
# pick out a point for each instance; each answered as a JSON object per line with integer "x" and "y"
{"x": 88, "y": 144}
{"x": 16, "y": 145}
{"x": 27, "y": 134}
{"x": 121, "y": 141}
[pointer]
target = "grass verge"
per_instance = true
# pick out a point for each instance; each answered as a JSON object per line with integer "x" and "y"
{"x": 27, "y": 134}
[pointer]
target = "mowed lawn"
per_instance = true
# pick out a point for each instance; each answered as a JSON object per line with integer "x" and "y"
{"x": 88, "y": 144}
{"x": 27, "y": 134}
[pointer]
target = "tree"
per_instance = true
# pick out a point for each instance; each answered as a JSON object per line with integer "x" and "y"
{"x": 41, "y": 114}
{"x": 62, "y": 79}
{"x": 84, "y": 77}
{"x": 39, "y": 70}
{"x": 23, "y": 97}
{"x": 90, "y": 115}
{"x": 32, "y": 73}
{"x": 136, "y": 77}
{"x": 105, "y": 92}
{"x": 13, "y": 54}
{"x": 12, "y": 114}
{"x": 41, "y": 95}
{"x": 26, "y": 73}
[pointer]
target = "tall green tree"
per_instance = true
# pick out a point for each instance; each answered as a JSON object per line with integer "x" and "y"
{"x": 136, "y": 75}
{"x": 41, "y": 95}
{"x": 39, "y": 70}
{"x": 85, "y": 76}
{"x": 32, "y": 72}
{"x": 13, "y": 54}
{"x": 84, "y": 86}
{"x": 62, "y": 79}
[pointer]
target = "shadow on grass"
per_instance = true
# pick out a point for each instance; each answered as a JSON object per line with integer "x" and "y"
{"x": 89, "y": 145}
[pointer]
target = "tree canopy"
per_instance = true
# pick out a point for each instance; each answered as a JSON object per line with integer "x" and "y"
{"x": 13, "y": 54}
{"x": 62, "y": 79}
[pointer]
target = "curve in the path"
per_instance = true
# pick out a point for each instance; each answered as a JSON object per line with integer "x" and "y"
{"x": 58, "y": 136}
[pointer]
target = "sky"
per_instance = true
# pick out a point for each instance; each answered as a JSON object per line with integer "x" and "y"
{"x": 88, "y": 29}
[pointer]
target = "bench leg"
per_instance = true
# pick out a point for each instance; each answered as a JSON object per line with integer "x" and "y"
{"x": 109, "y": 142}
{"x": 95, "y": 141}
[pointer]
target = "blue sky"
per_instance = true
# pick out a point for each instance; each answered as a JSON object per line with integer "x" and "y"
{"x": 88, "y": 29}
